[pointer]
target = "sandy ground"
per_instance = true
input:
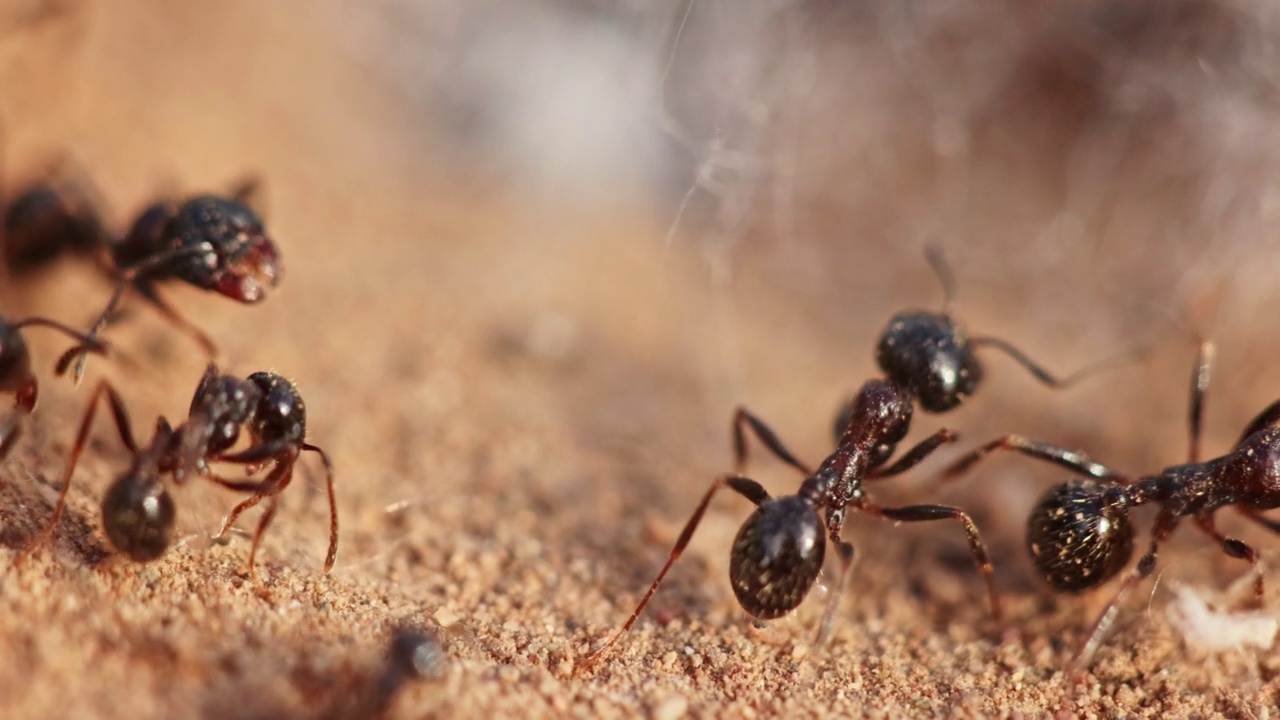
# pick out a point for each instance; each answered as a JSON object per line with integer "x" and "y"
{"x": 524, "y": 400}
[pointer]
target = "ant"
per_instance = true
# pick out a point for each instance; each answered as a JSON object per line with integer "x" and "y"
{"x": 137, "y": 511}
{"x": 15, "y": 371}
{"x": 778, "y": 552}
{"x": 1079, "y": 534}
{"x": 212, "y": 242}
{"x": 208, "y": 241}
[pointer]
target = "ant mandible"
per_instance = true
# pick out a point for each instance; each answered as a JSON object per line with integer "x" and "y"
{"x": 137, "y": 511}
{"x": 1079, "y": 534}
{"x": 209, "y": 241}
{"x": 212, "y": 242}
{"x": 15, "y": 371}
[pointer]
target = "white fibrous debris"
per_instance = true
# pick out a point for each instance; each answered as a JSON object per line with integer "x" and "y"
{"x": 1210, "y": 629}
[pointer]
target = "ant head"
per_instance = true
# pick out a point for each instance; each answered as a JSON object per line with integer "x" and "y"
{"x": 281, "y": 414}
{"x": 777, "y": 556}
{"x": 1079, "y": 535}
{"x": 235, "y": 256}
{"x": 137, "y": 515}
{"x": 15, "y": 359}
{"x": 928, "y": 353}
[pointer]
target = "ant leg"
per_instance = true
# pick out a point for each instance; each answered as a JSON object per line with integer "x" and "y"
{"x": 1073, "y": 460}
{"x": 927, "y": 513}
{"x": 84, "y": 343}
{"x": 121, "y": 417}
{"x": 1258, "y": 517}
{"x": 125, "y": 281}
{"x": 259, "y": 489}
{"x": 746, "y": 487}
{"x": 912, "y": 457}
{"x": 1165, "y": 524}
{"x": 1236, "y": 549}
{"x": 845, "y": 550}
{"x": 333, "y": 505}
{"x": 743, "y": 417}
{"x": 1199, "y": 388}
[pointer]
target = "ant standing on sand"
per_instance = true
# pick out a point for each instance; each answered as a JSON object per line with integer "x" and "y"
{"x": 1079, "y": 534}
{"x": 779, "y": 551}
{"x": 137, "y": 511}
{"x": 16, "y": 376}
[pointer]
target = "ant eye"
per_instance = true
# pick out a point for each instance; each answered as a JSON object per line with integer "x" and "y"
{"x": 777, "y": 556}
{"x": 137, "y": 516}
{"x": 929, "y": 354}
{"x": 1077, "y": 541}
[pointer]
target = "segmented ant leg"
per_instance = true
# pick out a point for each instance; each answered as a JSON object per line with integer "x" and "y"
{"x": 1269, "y": 416}
{"x": 1165, "y": 524}
{"x": 744, "y": 418}
{"x": 1073, "y": 460}
{"x": 1236, "y": 549}
{"x": 746, "y": 487}
{"x": 1263, "y": 520}
{"x": 929, "y": 513}
{"x": 123, "y": 427}
{"x": 24, "y": 404}
{"x": 126, "y": 280}
{"x": 845, "y": 551}
{"x": 1199, "y": 388}
{"x": 268, "y": 513}
{"x": 912, "y": 457}
{"x": 271, "y": 487}
{"x": 333, "y": 505}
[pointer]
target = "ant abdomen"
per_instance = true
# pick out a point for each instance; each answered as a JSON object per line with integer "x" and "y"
{"x": 776, "y": 556}
{"x": 928, "y": 353}
{"x": 1078, "y": 537}
{"x": 138, "y": 516}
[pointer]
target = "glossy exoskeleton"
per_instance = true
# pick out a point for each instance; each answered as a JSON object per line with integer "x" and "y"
{"x": 138, "y": 513}
{"x": 1079, "y": 535}
{"x": 211, "y": 242}
{"x": 779, "y": 551}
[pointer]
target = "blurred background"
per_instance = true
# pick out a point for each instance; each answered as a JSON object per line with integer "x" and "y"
{"x": 536, "y": 252}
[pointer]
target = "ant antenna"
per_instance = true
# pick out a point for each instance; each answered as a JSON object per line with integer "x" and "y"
{"x": 938, "y": 261}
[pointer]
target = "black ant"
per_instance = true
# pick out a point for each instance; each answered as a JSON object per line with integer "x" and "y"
{"x": 15, "y": 371}
{"x": 208, "y": 241}
{"x": 776, "y": 557}
{"x": 1079, "y": 534}
{"x": 212, "y": 242}
{"x": 137, "y": 511}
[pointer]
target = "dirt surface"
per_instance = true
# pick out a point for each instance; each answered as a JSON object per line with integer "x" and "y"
{"x": 525, "y": 395}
